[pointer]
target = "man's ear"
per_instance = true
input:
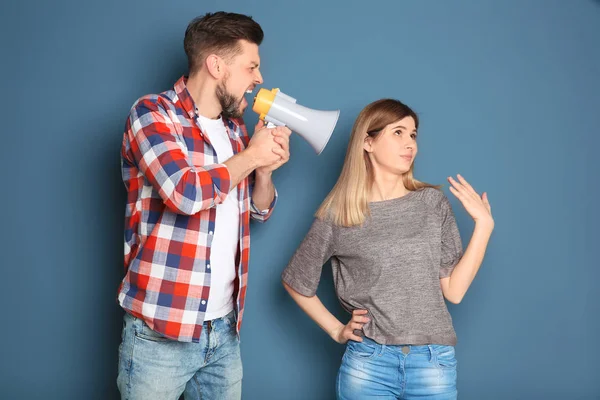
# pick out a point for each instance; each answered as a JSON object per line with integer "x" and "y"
{"x": 214, "y": 66}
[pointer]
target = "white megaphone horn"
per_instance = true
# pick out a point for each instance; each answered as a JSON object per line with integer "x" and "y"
{"x": 277, "y": 109}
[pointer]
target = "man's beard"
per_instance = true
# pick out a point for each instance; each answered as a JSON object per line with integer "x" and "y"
{"x": 229, "y": 103}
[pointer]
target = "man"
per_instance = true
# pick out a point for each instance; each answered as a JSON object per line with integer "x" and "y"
{"x": 194, "y": 179}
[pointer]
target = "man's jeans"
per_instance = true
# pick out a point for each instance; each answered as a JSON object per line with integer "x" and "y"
{"x": 154, "y": 367}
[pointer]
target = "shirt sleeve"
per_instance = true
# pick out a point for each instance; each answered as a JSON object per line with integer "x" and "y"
{"x": 303, "y": 272}
{"x": 157, "y": 150}
{"x": 452, "y": 250}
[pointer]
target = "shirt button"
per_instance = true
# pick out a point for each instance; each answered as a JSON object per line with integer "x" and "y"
{"x": 210, "y": 233}
{"x": 203, "y": 302}
{"x": 208, "y": 266}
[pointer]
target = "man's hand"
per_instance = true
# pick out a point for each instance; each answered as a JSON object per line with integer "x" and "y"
{"x": 280, "y": 136}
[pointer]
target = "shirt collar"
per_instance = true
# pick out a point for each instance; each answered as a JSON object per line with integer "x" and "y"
{"x": 189, "y": 106}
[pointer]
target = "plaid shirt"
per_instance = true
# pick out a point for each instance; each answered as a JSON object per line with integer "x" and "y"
{"x": 173, "y": 184}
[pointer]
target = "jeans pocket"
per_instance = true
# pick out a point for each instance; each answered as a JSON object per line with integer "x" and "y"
{"x": 143, "y": 331}
{"x": 445, "y": 356}
{"x": 230, "y": 320}
{"x": 363, "y": 350}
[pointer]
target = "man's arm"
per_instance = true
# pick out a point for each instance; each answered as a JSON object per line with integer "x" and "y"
{"x": 184, "y": 187}
{"x": 263, "y": 193}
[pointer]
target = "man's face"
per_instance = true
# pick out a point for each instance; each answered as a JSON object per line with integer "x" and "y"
{"x": 241, "y": 76}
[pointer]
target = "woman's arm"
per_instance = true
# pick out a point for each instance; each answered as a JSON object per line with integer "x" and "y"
{"x": 326, "y": 320}
{"x": 456, "y": 285}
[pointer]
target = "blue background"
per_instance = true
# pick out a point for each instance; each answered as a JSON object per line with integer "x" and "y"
{"x": 509, "y": 96}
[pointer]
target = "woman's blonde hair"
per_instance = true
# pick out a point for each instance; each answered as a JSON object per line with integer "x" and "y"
{"x": 347, "y": 203}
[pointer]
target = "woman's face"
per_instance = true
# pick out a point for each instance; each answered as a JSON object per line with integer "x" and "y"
{"x": 395, "y": 148}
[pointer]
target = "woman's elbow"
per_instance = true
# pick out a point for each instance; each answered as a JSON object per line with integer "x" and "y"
{"x": 453, "y": 298}
{"x": 288, "y": 288}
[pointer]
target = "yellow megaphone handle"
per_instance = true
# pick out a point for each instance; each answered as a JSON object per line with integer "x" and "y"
{"x": 263, "y": 101}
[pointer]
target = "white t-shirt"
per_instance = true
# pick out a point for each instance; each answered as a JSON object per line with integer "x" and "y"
{"x": 227, "y": 227}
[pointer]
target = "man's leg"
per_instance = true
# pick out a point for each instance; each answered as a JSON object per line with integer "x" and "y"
{"x": 152, "y": 366}
{"x": 221, "y": 376}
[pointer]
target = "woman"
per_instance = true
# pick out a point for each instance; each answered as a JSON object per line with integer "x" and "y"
{"x": 396, "y": 254}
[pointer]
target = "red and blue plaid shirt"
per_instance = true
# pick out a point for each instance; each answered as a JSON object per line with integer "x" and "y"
{"x": 173, "y": 184}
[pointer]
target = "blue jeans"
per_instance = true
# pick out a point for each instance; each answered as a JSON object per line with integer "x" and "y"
{"x": 371, "y": 370}
{"x": 154, "y": 367}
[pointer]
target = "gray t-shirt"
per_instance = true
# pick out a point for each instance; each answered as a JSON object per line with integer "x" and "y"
{"x": 390, "y": 266}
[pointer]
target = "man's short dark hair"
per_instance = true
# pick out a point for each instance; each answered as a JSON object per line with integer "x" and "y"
{"x": 218, "y": 33}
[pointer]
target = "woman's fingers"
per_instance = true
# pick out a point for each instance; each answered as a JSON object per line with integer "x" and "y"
{"x": 352, "y": 336}
{"x": 467, "y": 186}
{"x": 356, "y": 325}
{"x": 486, "y": 201}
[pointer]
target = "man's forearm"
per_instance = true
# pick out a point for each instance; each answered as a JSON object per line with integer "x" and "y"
{"x": 264, "y": 190}
{"x": 241, "y": 165}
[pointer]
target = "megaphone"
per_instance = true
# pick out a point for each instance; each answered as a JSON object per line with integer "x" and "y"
{"x": 277, "y": 109}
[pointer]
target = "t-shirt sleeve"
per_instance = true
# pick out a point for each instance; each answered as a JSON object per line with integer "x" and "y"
{"x": 452, "y": 250}
{"x": 304, "y": 269}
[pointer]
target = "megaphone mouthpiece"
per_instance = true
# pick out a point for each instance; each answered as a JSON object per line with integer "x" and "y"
{"x": 315, "y": 126}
